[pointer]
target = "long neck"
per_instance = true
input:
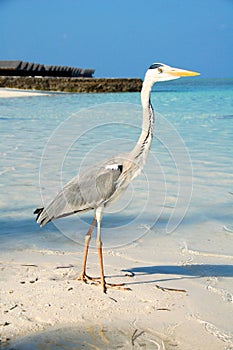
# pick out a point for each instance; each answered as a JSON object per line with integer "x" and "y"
{"x": 141, "y": 149}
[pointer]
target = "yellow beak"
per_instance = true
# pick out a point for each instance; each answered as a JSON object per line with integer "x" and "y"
{"x": 182, "y": 73}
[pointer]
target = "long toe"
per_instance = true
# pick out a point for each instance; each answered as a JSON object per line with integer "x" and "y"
{"x": 85, "y": 278}
{"x": 97, "y": 281}
{"x": 118, "y": 286}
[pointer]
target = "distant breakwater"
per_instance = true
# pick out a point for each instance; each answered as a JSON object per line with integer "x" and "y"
{"x": 64, "y": 84}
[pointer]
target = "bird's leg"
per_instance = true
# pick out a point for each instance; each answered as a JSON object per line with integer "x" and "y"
{"x": 99, "y": 213}
{"x": 83, "y": 276}
{"x": 96, "y": 280}
{"x": 100, "y": 255}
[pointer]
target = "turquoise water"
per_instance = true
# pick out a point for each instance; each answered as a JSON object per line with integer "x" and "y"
{"x": 187, "y": 181}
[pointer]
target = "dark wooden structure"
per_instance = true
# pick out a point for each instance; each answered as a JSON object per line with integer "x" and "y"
{"x": 21, "y": 68}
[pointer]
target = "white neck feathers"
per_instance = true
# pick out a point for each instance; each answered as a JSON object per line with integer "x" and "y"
{"x": 140, "y": 151}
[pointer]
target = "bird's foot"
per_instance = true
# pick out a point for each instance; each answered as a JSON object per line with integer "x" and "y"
{"x": 97, "y": 281}
{"x": 105, "y": 286}
{"x": 118, "y": 286}
{"x": 85, "y": 278}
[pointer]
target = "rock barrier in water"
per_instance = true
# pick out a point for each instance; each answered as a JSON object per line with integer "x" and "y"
{"x": 64, "y": 84}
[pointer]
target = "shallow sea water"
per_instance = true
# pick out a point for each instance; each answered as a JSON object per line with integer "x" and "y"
{"x": 46, "y": 140}
{"x": 185, "y": 189}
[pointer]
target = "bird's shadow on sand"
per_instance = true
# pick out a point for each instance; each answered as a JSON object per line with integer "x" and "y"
{"x": 179, "y": 272}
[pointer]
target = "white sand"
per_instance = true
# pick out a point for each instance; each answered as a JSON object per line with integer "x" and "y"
{"x": 6, "y": 93}
{"x": 38, "y": 291}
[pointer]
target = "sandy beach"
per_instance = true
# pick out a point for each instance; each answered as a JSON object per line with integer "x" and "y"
{"x": 6, "y": 93}
{"x": 176, "y": 299}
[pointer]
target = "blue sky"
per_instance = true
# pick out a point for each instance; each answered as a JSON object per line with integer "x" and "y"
{"x": 120, "y": 38}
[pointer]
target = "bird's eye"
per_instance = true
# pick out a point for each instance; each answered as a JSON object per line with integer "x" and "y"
{"x": 160, "y": 70}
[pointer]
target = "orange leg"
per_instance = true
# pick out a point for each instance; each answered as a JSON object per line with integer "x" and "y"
{"x": 100, "y": 255}
{"x": 97, "y": 280}
{"x": 83, "y": 276}
{"x": 103, "y": 283}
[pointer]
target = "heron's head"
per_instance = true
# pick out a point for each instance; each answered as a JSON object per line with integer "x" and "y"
{"x": 162, "y": 72}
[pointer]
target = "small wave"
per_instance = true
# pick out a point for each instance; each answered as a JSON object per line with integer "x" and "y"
{"x": 224, "y": 294}
{"x": 216, "y": 332}
{"x": 186, "y": 250}
{"x": 228, "y": 229}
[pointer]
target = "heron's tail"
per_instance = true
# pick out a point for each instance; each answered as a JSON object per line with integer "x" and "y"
{"x": 42, "y": 216}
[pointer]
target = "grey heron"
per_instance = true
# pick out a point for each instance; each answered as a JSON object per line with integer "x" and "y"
{"x": 98, "y": 186}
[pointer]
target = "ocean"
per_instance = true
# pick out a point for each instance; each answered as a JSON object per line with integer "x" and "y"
{"x": 186, "y": 183}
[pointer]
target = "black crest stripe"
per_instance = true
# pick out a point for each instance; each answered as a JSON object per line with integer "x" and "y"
{"x": 155, "y": 65}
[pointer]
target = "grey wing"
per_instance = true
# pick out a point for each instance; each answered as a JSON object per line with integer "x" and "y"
{"x": 87, "y": 191}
